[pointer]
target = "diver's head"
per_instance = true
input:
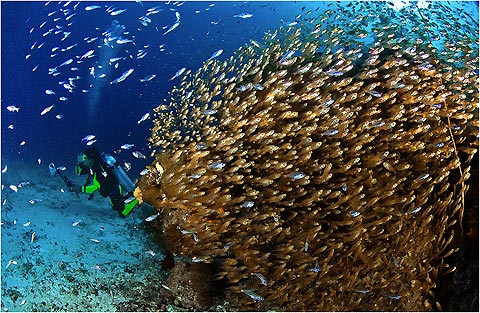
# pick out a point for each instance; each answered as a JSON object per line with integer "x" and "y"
{"x": 86, "y": 160}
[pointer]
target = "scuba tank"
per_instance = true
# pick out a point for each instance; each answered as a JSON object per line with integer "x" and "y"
{"x": 122, "y": 177}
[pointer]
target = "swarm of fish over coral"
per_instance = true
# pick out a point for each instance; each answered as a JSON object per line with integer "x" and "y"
{"x": 323, "y": 169}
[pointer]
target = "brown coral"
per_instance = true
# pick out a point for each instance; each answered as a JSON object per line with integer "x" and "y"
{"x": 190, "y": 284}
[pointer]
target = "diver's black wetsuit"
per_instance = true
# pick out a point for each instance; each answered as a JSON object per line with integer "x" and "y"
{"x": 102, "y": 177}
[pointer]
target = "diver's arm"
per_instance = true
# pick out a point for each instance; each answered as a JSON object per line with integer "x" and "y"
{"x": 90, "y": 188}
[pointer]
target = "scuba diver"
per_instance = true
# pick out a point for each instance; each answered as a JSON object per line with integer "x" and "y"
{"x": 105, "y": 175}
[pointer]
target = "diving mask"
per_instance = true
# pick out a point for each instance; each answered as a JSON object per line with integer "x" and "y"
{"x": 81, "y": 169}
{"x": 81, "y": 157}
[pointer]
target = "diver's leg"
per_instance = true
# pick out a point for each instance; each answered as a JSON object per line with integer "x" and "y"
{"x": 117, "y": 204}
{"x": 122, "y": 207}
{"x": 128, "y": 207}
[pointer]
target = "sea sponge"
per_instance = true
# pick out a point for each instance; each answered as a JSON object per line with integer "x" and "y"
{"x": 137, "y": 193}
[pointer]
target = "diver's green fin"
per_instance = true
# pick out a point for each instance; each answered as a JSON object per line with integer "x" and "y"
{"x": 129, "y": 207}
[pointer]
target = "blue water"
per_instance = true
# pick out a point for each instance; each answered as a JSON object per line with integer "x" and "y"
{"x": 110, "y": 111}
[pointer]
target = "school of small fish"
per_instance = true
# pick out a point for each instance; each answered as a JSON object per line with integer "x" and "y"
{"x": 75, "y": 64}
{"x": 305, "y": 161}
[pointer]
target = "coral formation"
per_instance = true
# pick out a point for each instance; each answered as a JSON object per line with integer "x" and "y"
{"x": 190, "y": 285}
{"x": 323, "y": 169}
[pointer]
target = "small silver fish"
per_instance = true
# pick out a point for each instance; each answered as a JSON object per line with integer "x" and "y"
{"x": 127, "y": 146}
{"x": 144, "y": 117}
{"x": 354, "y": 213}
{"x": 128, "y": 200}
{"x": 13, "y": 108}
{"x": 172, "y": 27}
{"x": 23, "y": 184}
{"x": 69, "y": 61}
{"x": 148, "y": 78}
{"x": 296, "y": 175}
{"x": 216, "y": 54}
{"x": 122, "y": 77}
{"x": 141, "y": 53}
{"x": 374, "y": 93}
{"x": 416, "y": 210}
{"x": 286, "y": 57}
{"x": 122, "y": 41}
{"x": 11, "y": 262}
{"x": 243, "y": 15}
{"x": 330, "y": 132}
{"x": 258, "y": 87}
{"x": 152, "y": 217}
{"x": 178, "y": 73}
{"x": 209, "y": 112}
{"x": 248, "y": 204}
{"x": 252, "y": 295}
{"x": 316, "y": 269}
{"x": 92, "y": 7}
{"x": 117, "y": 12}
{"x": 262, "y": 278}
{"x": 217, "y": 165}
{"x": 190, "y": 232}
{"x": 256, "y": 43}
{"x": 328, "y": 102}
{"x": 88, "y": 137}
{"x": 113, "y": 60}
{"x": 422, "y": 177}
{"x": 138, "y": 155}
{"x": 87, "y": 54}
{"x": 47, "y": 109}
{"x": 242, "y": 88}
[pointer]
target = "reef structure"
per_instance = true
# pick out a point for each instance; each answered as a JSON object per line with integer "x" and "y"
{"x": 325, "y": 168}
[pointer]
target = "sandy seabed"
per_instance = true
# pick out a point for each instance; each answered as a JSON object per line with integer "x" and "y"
{"x": 83, "y": 257}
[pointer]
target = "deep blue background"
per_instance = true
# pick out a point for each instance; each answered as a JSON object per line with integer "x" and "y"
{"x": 121, "y": 105}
